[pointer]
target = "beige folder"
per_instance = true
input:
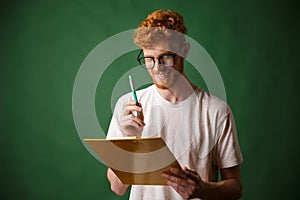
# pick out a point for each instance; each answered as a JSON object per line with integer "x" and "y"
{"x": 136, "y": 161}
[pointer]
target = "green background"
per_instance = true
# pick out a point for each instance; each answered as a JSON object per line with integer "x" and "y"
{"x": 255, "y": 45}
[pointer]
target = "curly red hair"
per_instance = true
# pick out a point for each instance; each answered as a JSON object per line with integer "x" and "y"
{"x": 159, "y": 26}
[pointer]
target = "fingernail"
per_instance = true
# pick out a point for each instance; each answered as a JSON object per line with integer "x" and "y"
{"x": 173, "y": 169}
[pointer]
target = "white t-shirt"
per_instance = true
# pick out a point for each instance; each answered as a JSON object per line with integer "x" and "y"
{"x": 200, "y": 131}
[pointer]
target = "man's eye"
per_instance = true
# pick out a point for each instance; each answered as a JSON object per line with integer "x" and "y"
{"x": 148, "y": 59}
{"x": 166, "y": 57}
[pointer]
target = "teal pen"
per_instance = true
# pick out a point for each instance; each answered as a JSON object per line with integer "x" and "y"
{"x": 133, "y": 92}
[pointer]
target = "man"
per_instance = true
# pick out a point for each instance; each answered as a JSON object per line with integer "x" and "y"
{"x": 198, "y": 128}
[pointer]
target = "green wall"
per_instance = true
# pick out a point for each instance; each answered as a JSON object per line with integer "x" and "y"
{"x": 255, "y": 45}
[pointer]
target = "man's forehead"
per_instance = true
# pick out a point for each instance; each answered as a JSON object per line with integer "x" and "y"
{"x": 161, "y": 47}
{"x": 155, "y": 51}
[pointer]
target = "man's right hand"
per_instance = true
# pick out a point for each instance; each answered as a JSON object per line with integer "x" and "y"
{"x": 132, "y": 119}
{"x": 116, "y": 184}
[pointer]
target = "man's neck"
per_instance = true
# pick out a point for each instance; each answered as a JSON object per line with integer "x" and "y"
{"x": 181, "y": 90}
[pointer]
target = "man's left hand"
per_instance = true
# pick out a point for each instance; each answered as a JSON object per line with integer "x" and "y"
{"x": 185, "y": 181}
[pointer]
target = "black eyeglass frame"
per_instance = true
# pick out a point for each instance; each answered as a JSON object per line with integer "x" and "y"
{"x": 158, "y": 58}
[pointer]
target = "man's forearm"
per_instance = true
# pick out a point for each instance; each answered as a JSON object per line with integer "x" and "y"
{"x": 230, "y": 189}
{"x": 115, "y": 183}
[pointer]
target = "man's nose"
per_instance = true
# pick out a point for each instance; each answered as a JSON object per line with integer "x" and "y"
{"x": 158, "y": 66}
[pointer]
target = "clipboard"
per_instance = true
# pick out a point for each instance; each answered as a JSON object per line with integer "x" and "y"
{"x": 136, "y": 161}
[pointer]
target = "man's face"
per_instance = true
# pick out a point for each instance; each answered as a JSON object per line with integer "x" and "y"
{"x": 163, "y": 77}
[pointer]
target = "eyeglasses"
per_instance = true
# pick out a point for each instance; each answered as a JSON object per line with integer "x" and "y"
{"x": 167, "y": 60}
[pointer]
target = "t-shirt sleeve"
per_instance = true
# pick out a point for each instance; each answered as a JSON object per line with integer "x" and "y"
{"x": 229, "y": 153}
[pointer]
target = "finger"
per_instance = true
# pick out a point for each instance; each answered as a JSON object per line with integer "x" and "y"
{"x": 138, "y": 120}
{"x": 187, "y": 183}
{"x": 133, "y": 120}
{"x": 130, "y": 103}
{"x": 189, "y": 179}
{"x": 184, "y": 191}
{"x": 131, "y": 108}
{"x": 180, "y": 189}
{"x": 137, "y": 111}
{"x": 174, "y": 179}
{"x": 131, "y": 123}
{"x": 191, "y": 174}
{"x": 189, "y": 170}
{"x": 133, "y": 103}
{"x": 184, "y": 186}
{"x": 178, "y": 172}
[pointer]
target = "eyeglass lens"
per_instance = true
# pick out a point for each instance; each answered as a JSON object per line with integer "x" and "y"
{"x": 166, "y": 60}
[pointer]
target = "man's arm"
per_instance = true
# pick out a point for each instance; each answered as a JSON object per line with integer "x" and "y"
{"x": 115, "y": 183}
{"x": 127, "y": 124}
{"x": 230, "y": 187}
{"x": 189, "y": 184}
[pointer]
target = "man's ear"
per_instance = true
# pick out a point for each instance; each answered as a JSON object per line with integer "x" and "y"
{"x": 186, "y": 50}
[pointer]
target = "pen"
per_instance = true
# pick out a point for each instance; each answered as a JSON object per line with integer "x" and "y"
{"x": 133, "y": 92}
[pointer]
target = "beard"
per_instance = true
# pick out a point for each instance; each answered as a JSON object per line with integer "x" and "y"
{"x": 161, "y": 86}
{"x": 169, "y": 82}
{"x": 172, "y": 77}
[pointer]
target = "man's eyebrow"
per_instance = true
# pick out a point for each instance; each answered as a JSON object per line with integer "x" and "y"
{"x": 164, "y": 53}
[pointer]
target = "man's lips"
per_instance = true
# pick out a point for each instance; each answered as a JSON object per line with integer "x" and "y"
{"x": 161, "y": 76}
